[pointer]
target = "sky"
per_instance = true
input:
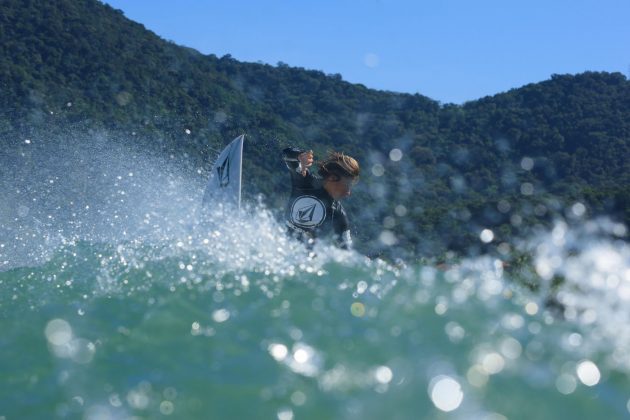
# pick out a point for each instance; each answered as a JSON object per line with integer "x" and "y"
{"x": 452, "y": 51}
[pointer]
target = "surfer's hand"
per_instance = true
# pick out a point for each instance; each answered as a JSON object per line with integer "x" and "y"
{"x": 306, "y": 160}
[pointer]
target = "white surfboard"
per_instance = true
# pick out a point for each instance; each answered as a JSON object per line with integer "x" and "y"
{"x": 224, "y": 186}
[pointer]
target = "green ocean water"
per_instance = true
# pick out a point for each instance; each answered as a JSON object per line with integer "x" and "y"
{"x": 189, "y": 329}
{"x": 119, "y": 301}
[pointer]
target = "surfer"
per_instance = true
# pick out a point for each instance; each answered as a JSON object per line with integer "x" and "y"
{"x": 314, "y": 208}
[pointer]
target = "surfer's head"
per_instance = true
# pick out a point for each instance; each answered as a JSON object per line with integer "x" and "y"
{"x": 340, "y": 172}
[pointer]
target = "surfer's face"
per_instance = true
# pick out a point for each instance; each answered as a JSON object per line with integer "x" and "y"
{"x": 339, "y": 187}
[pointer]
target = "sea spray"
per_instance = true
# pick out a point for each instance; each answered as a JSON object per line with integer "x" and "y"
{"x": 194, "y": 328}
{"x": 142, "y": 305}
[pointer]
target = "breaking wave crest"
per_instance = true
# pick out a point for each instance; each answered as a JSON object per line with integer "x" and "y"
{"x": 143, "y": 305}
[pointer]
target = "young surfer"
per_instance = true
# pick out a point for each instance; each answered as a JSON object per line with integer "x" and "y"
{"x": 314, "y": 208}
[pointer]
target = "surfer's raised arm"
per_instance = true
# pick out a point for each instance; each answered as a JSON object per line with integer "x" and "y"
{"x": 298, "y": 160}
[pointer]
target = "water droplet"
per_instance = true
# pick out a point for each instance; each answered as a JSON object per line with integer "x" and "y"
{"x": 357, "y": 309}
{"x": 454, "y": 331}
{"x": 285, "y": 414}
{"x": 221, "y": 315}
{"x": 362, "y": 287}
{"x": 395, "y": 155}
{"x": 388, "y": 238}
{"x": 578, "y": 209}
{"x": 566, "y": 384}
{"x": 527, "y": 163}
{"x": 503, "y": 206}
{"x": 400, "y": 210}
{"x": 441, "y": 308}
{"x": 588, "y": 373}
{"x": 527, "y": 188}
{"x": 82, "y": 351}
{"x": 383, "y": 374}
{"x": 298, "y": 398}
{"x": 446, "y": 393}
{"x": 378, "y": 169}
{"x": 167, "y": 408}
{"x": 486, "y": 236}
{"x": 114, "y": 400}
{"x": 531, "y": 308}
{"x": 511, "y": 348}
{"x": 137, "y": 399}
{"x": 575, "y": 340}
{"x": 58, "y": 332}
{"x": 301, "y": 356}
{"x": 477, "y": 376}
{"x": 493, "y": 363}
{"x": 278, "y": 351}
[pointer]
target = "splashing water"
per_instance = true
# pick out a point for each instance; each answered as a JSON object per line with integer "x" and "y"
{"x": 164, "y": 312}
{"x": 593, "y": 264}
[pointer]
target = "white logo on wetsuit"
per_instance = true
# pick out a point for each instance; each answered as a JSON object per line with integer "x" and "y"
{"x": 308, "y": 211}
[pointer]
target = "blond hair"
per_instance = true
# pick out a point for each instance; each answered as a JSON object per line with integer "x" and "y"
{"x": 339, "y": 164}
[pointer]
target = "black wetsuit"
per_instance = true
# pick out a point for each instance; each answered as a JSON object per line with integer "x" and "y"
{"x": 311, "y": 211}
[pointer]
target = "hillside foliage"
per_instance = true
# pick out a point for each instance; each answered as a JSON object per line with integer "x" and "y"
{"x": 502, "y": 162}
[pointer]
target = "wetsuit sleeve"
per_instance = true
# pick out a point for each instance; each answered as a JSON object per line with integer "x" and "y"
{"x": 343, "y": 238}
{"x": 290, "y": 157}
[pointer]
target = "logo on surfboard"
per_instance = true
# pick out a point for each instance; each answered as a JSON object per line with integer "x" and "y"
{"x": 308, "y": 211}
{"x": 223, "y": 172}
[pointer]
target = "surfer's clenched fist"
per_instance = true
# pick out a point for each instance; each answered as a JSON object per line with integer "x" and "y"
{"x": 306, "y": 160}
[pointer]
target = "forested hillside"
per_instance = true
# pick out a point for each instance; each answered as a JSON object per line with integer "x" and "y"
{"x": 501, "y": 162}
